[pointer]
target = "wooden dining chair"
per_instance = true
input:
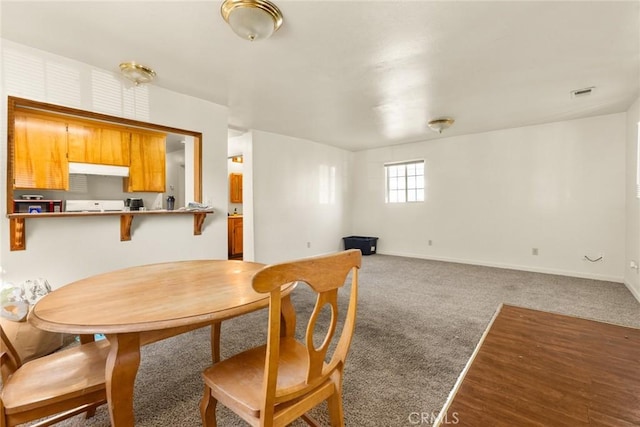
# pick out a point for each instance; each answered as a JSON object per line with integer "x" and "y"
{"x": 57, "y": 386}
{"x": 274, "y": 384}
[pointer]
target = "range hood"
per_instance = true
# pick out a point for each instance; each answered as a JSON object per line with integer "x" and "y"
{"x": 93, "y": 169}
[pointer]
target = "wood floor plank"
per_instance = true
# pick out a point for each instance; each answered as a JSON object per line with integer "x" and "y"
{"x": 536, "y": 368}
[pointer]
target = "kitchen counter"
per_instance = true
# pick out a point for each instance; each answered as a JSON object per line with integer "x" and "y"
{"x": 88, "y": 213}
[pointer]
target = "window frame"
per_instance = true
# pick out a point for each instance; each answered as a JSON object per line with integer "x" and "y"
{"x": 416, "y": 187}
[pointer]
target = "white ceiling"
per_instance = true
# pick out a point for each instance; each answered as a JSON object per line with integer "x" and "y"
{"x": 361, "y": 74}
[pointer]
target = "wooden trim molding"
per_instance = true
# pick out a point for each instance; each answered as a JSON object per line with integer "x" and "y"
{"x": 197, "y": 168}
{"x": 114, "y": 120}
{"x": 10, "y": 153}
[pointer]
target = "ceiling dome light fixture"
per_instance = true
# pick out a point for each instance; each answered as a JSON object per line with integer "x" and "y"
{"x": 137, "y": 73}
{"x": 252, "y": 19}
{"x": 439, "y": 125}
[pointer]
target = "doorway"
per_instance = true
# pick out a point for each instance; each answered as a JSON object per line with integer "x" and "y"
{"x": 235, "y": 170}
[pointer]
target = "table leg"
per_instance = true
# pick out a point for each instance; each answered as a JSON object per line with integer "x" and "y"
{"x": 86, "y": 338}
{"x": 120, "y": 375}
{"x": 215, "y": 341}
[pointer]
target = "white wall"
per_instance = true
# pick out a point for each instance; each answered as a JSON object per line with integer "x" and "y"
{"x": 300, "y": 195}
{"x": 492, "y": 197}
{"x": 175, "y": 179}
{"x": 631, "y": 276}
{"x": 67, "y": 249}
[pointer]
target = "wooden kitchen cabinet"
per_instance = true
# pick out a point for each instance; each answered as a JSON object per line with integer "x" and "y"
{"x": 88, "y": 143}
{"x": 147, "y": 169}
{"x": 40, "y": 152}
{"x": 235, "y": 237}
{"x": 235, "y": 187}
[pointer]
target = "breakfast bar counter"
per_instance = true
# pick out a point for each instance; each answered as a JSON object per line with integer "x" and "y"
{"x": 17, "y": 226}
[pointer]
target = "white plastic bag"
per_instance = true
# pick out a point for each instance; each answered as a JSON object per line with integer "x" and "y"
{"x": 35, "y": 289}
{"x": 13, "y": 304}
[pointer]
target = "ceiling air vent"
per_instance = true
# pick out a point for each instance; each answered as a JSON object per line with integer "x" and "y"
{"x": 580, "y": 93}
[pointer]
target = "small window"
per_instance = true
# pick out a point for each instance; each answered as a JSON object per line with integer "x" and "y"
{"x": 405, "y": 182}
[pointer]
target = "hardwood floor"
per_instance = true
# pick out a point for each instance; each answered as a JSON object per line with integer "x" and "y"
{"x": 536, "y": 368}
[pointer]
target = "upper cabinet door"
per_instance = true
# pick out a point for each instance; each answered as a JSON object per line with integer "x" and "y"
{"x": 40, "y": 153}
{"x": 148, "y": 163}
{"x": 115, "y": 148}
{"x": 101, "y": 145}
{"x": 83, "y": 143}
{"x": 235, "y": 187}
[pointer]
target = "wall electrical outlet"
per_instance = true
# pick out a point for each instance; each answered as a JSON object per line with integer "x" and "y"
{"x": 308, "y": 244}
{"x": 430, "y": 243}
{"x": 534, "y": 251}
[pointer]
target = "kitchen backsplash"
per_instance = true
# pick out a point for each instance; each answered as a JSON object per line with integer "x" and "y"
{"x": 91, "y": 187}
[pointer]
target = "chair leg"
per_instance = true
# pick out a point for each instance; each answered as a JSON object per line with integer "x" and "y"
{"x": 208, "y": 408}
{"x": 3, "y": 416}
{"x": 334, "y": 404}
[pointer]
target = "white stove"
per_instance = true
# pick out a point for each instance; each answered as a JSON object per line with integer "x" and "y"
{"x": 94, "y": 205}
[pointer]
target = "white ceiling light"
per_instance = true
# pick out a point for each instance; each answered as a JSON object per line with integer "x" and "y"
{"x": 252, "y": 19}
{"x": 439, "y": 125}
{"x": 137, "y": 73}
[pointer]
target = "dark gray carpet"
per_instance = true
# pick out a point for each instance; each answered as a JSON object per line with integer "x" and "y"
{"x": 418, "y": 323}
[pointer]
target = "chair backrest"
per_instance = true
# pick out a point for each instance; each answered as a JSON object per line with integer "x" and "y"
{"x": 9, "y": 357}
{"x": 325, "y": 275}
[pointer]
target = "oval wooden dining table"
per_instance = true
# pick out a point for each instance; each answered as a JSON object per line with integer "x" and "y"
{"x": 139, "y": 305}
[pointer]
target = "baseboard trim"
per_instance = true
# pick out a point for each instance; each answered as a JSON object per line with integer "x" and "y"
{"x": 633, "y": 290}
{"x": 581, "y": 275}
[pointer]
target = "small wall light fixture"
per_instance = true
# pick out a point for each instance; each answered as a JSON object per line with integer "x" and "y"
{"x": 438, "y": 125}
{"x": 252, "y": 19}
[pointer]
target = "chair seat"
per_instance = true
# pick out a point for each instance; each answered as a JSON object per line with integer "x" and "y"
{"x": 246, "y": 390}
{"x": 59, "y": 376}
